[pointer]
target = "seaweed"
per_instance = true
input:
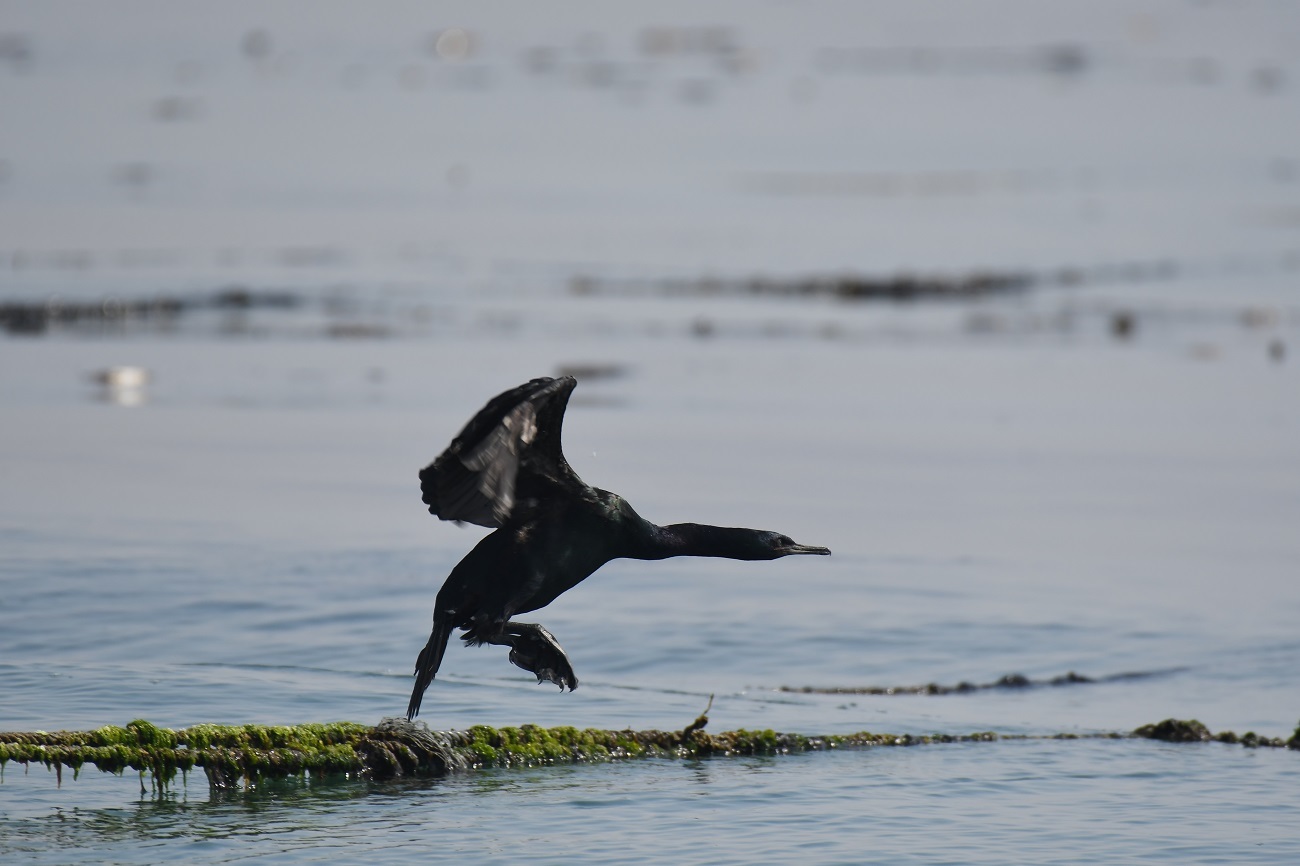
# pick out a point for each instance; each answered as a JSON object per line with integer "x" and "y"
{"x": 231, "y": 755}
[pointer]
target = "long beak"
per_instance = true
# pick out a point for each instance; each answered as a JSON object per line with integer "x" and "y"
{"x": 805, "y": 548}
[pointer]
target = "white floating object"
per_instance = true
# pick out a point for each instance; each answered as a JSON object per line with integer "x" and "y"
{"x": 122, "y": 385}
{"x": 122, "y": 378}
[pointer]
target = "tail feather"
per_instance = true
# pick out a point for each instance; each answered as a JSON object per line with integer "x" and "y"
{"x": 428, "y": 663}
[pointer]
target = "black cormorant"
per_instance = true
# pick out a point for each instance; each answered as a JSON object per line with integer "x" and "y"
{"x": 506, "y": 470}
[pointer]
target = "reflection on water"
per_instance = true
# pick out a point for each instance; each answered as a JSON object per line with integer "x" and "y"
{"x": 1033, "y": 796}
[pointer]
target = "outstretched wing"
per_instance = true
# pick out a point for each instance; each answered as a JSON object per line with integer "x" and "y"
{"x": 507, "y": 454}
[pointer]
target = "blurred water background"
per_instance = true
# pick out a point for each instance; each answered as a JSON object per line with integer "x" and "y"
{"x": 997, "y": 300}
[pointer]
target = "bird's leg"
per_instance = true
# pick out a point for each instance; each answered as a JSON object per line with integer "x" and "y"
{"x": 426, "y": 666}
{"x": 536, "y": 650}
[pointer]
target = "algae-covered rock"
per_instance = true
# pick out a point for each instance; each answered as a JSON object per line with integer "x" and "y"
{"x": 248, "y": 754}
{"x": 1175, "y": 731}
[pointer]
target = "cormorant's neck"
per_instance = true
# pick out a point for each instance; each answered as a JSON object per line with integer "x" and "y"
{"x": 697, "y": 539}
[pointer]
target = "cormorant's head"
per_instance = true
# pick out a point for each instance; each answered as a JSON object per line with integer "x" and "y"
{"x": 774, "y": 545}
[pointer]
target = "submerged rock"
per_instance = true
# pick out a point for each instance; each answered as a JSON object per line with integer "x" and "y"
{"x": 1175, "y": 731}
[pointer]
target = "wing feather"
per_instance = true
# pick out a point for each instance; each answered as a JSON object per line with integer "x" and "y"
{"x": 511, "y": 447}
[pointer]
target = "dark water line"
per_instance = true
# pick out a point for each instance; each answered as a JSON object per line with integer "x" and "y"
{"x": 1010, "y": 681}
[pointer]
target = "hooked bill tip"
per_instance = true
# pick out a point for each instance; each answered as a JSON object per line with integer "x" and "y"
{"x": 809, "y": 549}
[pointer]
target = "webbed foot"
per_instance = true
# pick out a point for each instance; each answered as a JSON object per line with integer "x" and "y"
{"x": 536, "y": 650}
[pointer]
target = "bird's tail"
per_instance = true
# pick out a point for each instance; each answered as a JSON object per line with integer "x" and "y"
{"x": 429, "y": 661}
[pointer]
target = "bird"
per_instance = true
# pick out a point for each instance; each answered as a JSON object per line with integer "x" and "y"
{"x": 506, "y": 470}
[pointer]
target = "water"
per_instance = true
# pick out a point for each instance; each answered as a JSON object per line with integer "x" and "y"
{"x": 1022, "y": 804}
{"x": 1007, "y": 486}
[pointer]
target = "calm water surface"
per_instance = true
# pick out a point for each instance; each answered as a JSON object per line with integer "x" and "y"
{"x": 1009, "y": 485}
{"x": 1008, "y": 803}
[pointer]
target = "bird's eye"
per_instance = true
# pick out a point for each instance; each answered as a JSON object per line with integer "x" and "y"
{"x": 784, "y": 540}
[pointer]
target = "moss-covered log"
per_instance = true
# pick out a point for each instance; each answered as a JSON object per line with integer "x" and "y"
{"x": 247, "y": 754}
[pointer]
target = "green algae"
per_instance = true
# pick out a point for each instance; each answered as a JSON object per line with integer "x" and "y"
{"x": 231, "y": 755}
{"x": 1178, "y": 731}
{"x": 1175, "y": 731}
{"x": 227, "y": 753}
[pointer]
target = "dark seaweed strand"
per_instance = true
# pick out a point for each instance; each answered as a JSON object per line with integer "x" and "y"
{"x": 230, "y": 755}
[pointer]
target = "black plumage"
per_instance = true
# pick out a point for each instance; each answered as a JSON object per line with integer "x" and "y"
{"x": 507, "y": 470}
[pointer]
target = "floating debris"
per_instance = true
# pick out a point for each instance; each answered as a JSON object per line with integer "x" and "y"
{"x": 851, "y": 287}
{"x": 122, "y": 385}
{"x": 453, "y": 44}
{"x": 1178, "y": 731}
{"x": 1175, "y": 731}
{"x": 32, "y": 318}
{"x": 357, "y": 331}
{"x": 1122, "y": 324}
{"x": 700, "y": 722}
{"x": 1010, "y": 681}
{"x": 122, "y": 377}
{"x": 592, "y": 370}
{"x": 1059, "y": 59}
{"x": 231, "y": 755}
